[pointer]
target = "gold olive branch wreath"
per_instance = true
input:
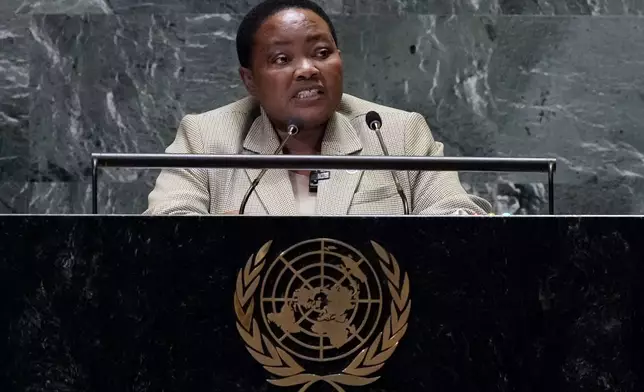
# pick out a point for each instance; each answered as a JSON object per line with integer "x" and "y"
{"x": 280, "y": 363}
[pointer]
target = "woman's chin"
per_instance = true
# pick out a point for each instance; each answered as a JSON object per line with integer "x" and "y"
{"x": 313, "y": 118}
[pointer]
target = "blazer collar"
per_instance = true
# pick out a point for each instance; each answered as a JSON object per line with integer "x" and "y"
{"x": 275, "y": 190}
{"x": 262, "y": 137}
{"x": 340, "y": 137}
{"x": 335, "y": 194}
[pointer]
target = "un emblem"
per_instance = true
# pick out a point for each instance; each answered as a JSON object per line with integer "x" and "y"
{"x": 321, "y": 302}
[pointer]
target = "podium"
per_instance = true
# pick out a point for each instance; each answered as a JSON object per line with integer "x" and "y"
{"x": 241, "y": 303}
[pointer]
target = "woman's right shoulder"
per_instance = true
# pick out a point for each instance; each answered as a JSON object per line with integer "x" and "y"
{"x": 224, "y": 126}
{"x": 245, "y": 107}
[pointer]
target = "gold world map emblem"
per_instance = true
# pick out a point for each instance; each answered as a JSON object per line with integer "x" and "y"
{"x": 321, "y": 302}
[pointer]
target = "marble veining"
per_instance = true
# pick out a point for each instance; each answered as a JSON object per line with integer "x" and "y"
{"x": 211, "y": 75}
{"x": 117, "y": 94}
{"x": 14, "y": 98}
{"x": 337, "y": 7}
{"x": 65, "y": 7}
{"x": 558, "y": 78}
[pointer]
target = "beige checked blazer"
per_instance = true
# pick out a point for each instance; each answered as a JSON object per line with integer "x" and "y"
{"x": 243, "y": 128}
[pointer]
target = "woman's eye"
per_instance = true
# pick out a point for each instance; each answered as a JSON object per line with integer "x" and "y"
{"x": 279, "y": 60}
{"x": 324, "y": 53}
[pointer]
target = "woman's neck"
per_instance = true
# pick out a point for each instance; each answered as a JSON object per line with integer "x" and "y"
{"x": 306, "y": 142}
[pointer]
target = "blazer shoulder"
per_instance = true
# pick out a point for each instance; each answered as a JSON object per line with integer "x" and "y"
{"x": 245, "y": 107}
{"x": 354, "y": 108}
{"x": 222, "y": 130}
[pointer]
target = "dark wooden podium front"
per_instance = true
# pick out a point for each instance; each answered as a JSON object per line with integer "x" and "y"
{"x": 128, "y": 303}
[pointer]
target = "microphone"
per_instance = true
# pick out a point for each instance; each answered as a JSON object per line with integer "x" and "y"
{"x": 292, "y": 129}
{"x": 374, "y": 122}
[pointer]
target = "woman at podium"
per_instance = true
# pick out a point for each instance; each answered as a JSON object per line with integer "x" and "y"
{"x": 292, "y": 69}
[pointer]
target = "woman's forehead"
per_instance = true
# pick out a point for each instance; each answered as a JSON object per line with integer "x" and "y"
{"x": 292, "y": 21}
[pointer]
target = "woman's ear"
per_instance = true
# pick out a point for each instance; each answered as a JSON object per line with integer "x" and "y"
{"x": 246, "y": 76}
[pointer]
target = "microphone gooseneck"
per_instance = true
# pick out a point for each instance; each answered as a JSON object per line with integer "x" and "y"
{"x": 374, "y": 122}
{"x": 292, "y": 129}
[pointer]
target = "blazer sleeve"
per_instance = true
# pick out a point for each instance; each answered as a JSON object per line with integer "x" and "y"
{"x": 436, "y": 193}
{"x": 182, "y": 191}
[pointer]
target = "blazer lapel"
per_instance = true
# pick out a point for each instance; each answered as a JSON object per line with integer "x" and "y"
{"x": 274, "y": 190}
{"x": 336, "y": 193}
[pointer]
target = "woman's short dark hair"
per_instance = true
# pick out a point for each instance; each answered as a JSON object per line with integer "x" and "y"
{"x": 258, "y": 15}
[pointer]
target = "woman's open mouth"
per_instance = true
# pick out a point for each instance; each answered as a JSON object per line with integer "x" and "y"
{"x": 309, "y": 95}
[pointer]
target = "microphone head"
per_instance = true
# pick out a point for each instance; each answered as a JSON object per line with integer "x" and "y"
{"x": 374, "y": 121}
{"x": 293, "y": 125}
